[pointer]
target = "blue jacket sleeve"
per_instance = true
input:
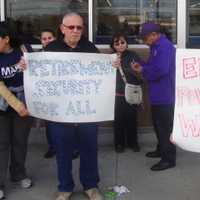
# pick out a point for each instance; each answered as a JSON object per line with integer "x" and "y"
{"x": 159, "y": 64}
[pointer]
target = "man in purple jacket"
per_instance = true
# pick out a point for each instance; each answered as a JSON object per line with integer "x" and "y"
{"x": 159, "y": 71}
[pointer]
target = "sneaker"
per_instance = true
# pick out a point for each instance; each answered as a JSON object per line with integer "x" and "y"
{"x": 26, "y": 183}
{"x": 49, "y": 154}
{"x": 63, "y": 195}
{"x": 94, "y": 194}
{"x": 2, "y": 195}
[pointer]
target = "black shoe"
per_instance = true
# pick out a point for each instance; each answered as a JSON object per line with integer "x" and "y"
{"x": 119, "y": 149}
{"x": 136, "y": 148}
{"x": 162, "y": 165}
{"x": 75, "y": 155}
{"x": 153, "y": 154}
{"x": 49, "y": 154}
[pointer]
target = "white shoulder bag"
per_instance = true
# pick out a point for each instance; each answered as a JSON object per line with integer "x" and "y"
{"x": 133, "y": 93}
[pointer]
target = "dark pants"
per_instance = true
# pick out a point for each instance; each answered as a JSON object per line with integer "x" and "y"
{"x": 125, "y": 123}
{"x": 162, "y": 117}
{"x": 49, "y": 138}
{"x": 64, "y": 136}
{"x": 14, "y": 131}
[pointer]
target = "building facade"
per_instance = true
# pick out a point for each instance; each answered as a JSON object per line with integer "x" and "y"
{"x": 178, "y": 18}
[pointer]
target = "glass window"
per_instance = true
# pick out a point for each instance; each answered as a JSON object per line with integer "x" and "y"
{"x": 112, "y": 16}
{"x": 193, "y": 39}
{"x": 30, "y": 17}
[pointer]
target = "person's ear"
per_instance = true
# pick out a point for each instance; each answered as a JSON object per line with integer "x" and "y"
{"x": 7, "y": 39}
{"x": 154, "y": 34}
{"x": 62, "y": 29}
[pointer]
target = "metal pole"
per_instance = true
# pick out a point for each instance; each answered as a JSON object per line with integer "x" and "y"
{"x": 136, "y": 9}
{"x": 142, "y": 12}
{"x": 90, "y": 20}
{"x": 157, "y": 10}
{"x": 2, "y": 9}
{"x": 181, "y": 23}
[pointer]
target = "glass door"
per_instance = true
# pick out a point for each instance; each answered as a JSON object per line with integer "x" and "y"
{"x": 28, "y": 18}
{"x": 193, "y": 28}
{"x": 111, "y": 16}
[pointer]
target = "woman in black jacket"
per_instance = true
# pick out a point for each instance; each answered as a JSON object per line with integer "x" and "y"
{"x": 125, "y": 123}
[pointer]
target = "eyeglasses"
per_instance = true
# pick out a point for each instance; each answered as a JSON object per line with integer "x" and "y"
{"x": 72, "y": 27}
{"x": 119, "y": 43}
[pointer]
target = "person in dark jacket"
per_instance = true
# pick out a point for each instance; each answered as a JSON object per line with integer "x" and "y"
{"x": 159, "y": 71}
{"x": 65, "y": 135}
{"x": 15, "y": 124}
{"x": 125, "y": 122}
{"x": 47, "y": 36}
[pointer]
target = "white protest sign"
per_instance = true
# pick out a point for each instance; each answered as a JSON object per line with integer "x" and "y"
{"x": 186, "y": 130}
{"x": 70, "y": 87}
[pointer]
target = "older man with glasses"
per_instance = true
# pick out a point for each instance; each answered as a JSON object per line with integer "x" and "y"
{"x": 66, "y": 136}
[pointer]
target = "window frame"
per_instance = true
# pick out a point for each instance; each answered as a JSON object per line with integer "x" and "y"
{"x": 181, "y": 23}
{"x": 190, "y": 39}
{"x": 2, "y": 9}
{"x": 180, "y": 33}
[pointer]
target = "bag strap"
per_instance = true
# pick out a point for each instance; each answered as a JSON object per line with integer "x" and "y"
{"x": 122, "y": 74}
{"x": 23, "y": 48}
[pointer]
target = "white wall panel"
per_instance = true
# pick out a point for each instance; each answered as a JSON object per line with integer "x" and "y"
{"x": 181, "y": 23}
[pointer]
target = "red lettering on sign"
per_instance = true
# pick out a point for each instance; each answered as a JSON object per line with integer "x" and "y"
{"x": 189, "y": 127}
{"x": 187, "y": 97}
{"x": 190, "y": 68}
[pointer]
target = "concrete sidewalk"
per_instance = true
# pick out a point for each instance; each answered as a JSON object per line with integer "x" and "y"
{"x": 129, "y": 169}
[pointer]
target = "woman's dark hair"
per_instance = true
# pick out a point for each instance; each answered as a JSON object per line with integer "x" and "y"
{"x": 5, "y": 31}
{"x": 117, "y": 37}
{"x": 48, "y": 30}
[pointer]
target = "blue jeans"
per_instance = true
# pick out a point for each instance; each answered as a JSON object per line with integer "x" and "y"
{"x": 65, "y": 136}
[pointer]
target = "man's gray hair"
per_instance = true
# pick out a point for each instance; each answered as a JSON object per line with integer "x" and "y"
{"x": 70, "y": 14}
